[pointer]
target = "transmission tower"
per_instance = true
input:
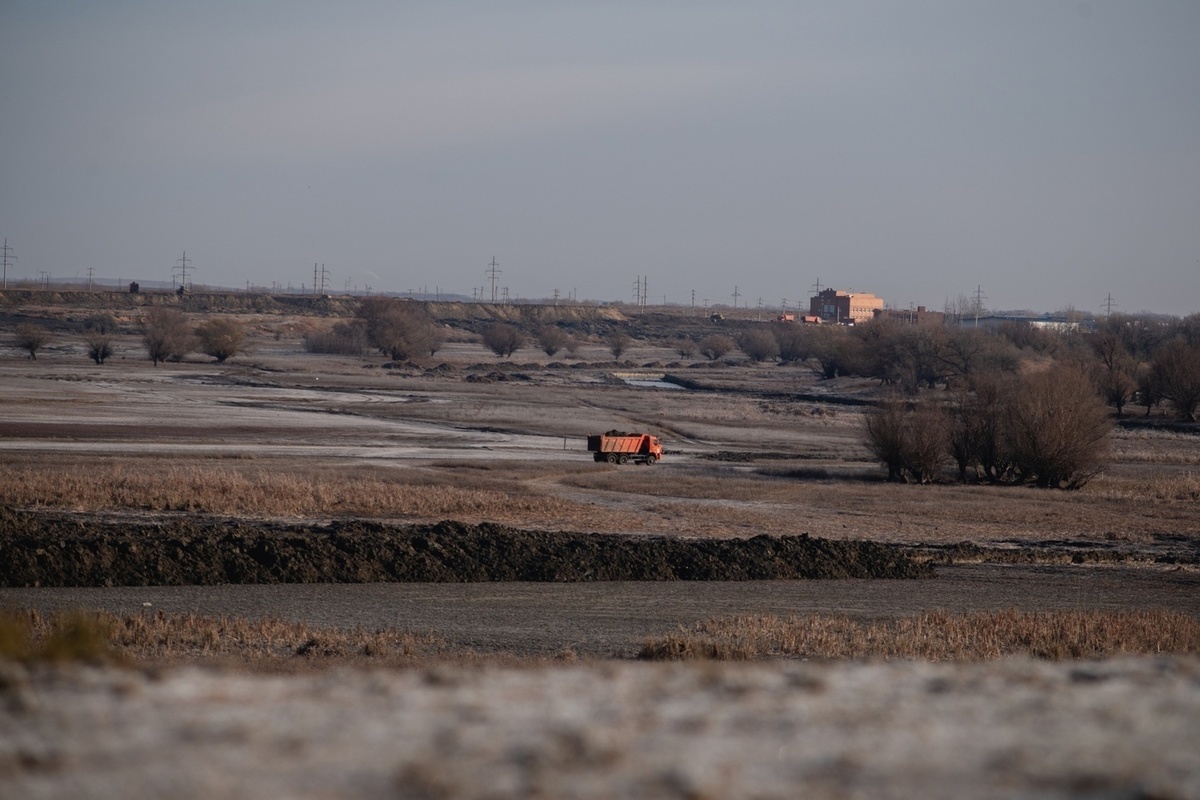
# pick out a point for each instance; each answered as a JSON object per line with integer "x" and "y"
{"x": 493, "y": 272}
{"x": 978, "y": 304}
{"x": 736, "y": 295}
{"x": 7, "y": 258}
{"x": 183, "y": 265}
{"x": 1109, "y": 304}
{"x": 324, "y": 281}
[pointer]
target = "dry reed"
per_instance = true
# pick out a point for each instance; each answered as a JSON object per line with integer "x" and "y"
{"x": 938, "y": 636}
{"x": 159, "y": 639}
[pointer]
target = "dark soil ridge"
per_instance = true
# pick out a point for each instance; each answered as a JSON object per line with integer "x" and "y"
{"x": 60, "y": 549}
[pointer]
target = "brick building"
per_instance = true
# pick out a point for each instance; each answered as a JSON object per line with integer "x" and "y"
{"x": 910, "y": 316}
{"x": 847, "y": 308}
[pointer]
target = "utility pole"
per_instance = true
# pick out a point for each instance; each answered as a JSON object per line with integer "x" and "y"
{"x": 7, "y": 258}
{"x": 314, "y": 278}
{"x": 736, "y": 295}
{"x": 90, "y": 278}
{"x": 493, "y": 272}
{"x": 183, "y": 264}
{"x": 324, "y": 281}
{"x": 1109, "y": 305}
{"x": 556, "y": 298}
{"x": 817, "y": 287}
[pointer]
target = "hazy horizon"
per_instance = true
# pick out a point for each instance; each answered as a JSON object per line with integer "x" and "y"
{"x": 1046, "y": 152}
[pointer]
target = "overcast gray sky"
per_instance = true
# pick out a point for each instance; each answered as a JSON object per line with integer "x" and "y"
{"x": 1048, "y": 152}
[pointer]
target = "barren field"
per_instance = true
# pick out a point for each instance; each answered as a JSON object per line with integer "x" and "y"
{"x": 283, "y": 443}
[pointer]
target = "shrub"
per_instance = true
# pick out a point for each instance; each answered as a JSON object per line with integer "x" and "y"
{"x": 794, "y": 342}
{"x": 503, "y": 339}
{"x": 166, "y": 334}
{"x": 344, "y": 339}
{"x": 221, "y": 338}
{"x": 32, "y": 338}
{"x": 401, "y": 329}
{"x": 685, "y": 347}
{"x": 759, "y": 344}
{"x": 1057, "y": 429}
{"x": 716, "y": 346}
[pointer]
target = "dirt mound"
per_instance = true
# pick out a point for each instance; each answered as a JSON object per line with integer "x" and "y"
{"x": 57, "y": 549}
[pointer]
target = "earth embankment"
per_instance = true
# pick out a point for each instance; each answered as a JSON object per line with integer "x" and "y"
{"x": 61, "y": 549}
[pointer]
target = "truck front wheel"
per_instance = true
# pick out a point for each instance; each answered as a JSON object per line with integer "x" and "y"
{"x": 650, "y": 459}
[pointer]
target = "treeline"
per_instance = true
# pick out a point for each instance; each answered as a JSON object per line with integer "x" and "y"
{"x": 1127, "y": 359}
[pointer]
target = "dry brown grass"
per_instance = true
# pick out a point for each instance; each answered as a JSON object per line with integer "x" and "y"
{"x": 256, "y": 492}
{"x": 172, "y": 639}
{"x": 936, "y": 637}
{"x": 1178, "y": 487}
{"x": 158, "y": 639}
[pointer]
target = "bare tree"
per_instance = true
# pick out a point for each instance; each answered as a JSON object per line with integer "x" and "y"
{"x": 618, "y": 342}
{"x": 795, "y": 342}
{"x": 166, "y": 334}
{"x": 835, "y": 352}
{"x": 31, "y": 338}
{"x": 222, "y": 338}
{"x": 551, "y": 339}
{"x": 912, "y": 444}
{"x": 503, "y": 339}
{"x": 685, "y": 347}
{"x": 98, "y": 332}
{"x": 1177, "y": 374}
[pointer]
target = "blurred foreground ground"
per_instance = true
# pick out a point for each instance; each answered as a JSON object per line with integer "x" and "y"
{"x": 1118, "y": 728}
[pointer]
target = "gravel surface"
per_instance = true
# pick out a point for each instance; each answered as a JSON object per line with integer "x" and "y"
{"x": 1121, "y": 728}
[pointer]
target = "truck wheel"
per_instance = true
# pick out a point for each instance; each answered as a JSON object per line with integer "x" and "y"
{"x": 650, "y": 461}
{"x": 612, "y": 458}
{"x": 624, "y": 459}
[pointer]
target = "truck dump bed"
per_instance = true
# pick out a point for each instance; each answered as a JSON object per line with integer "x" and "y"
{"x": 624, "y": 443}
{"x": 618, "y": 447}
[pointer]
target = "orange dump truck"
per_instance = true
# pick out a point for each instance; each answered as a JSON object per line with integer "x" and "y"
{"x": 616, "y": 447}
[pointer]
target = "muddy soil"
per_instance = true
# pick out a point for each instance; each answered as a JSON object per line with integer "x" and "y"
{"x": 56, "y": 549}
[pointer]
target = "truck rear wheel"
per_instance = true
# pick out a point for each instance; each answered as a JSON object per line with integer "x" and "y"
{"x": 650, "y": 459}
{"x": 612, "y": 458}
{"x": 624, "y": 459}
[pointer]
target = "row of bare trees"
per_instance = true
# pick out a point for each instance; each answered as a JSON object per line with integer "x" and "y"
{"x": 1048, "y": 429}
{"x": 166, "y": 333}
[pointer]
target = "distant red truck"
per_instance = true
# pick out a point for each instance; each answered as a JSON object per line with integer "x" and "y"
{"x": 617, "y": 447}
